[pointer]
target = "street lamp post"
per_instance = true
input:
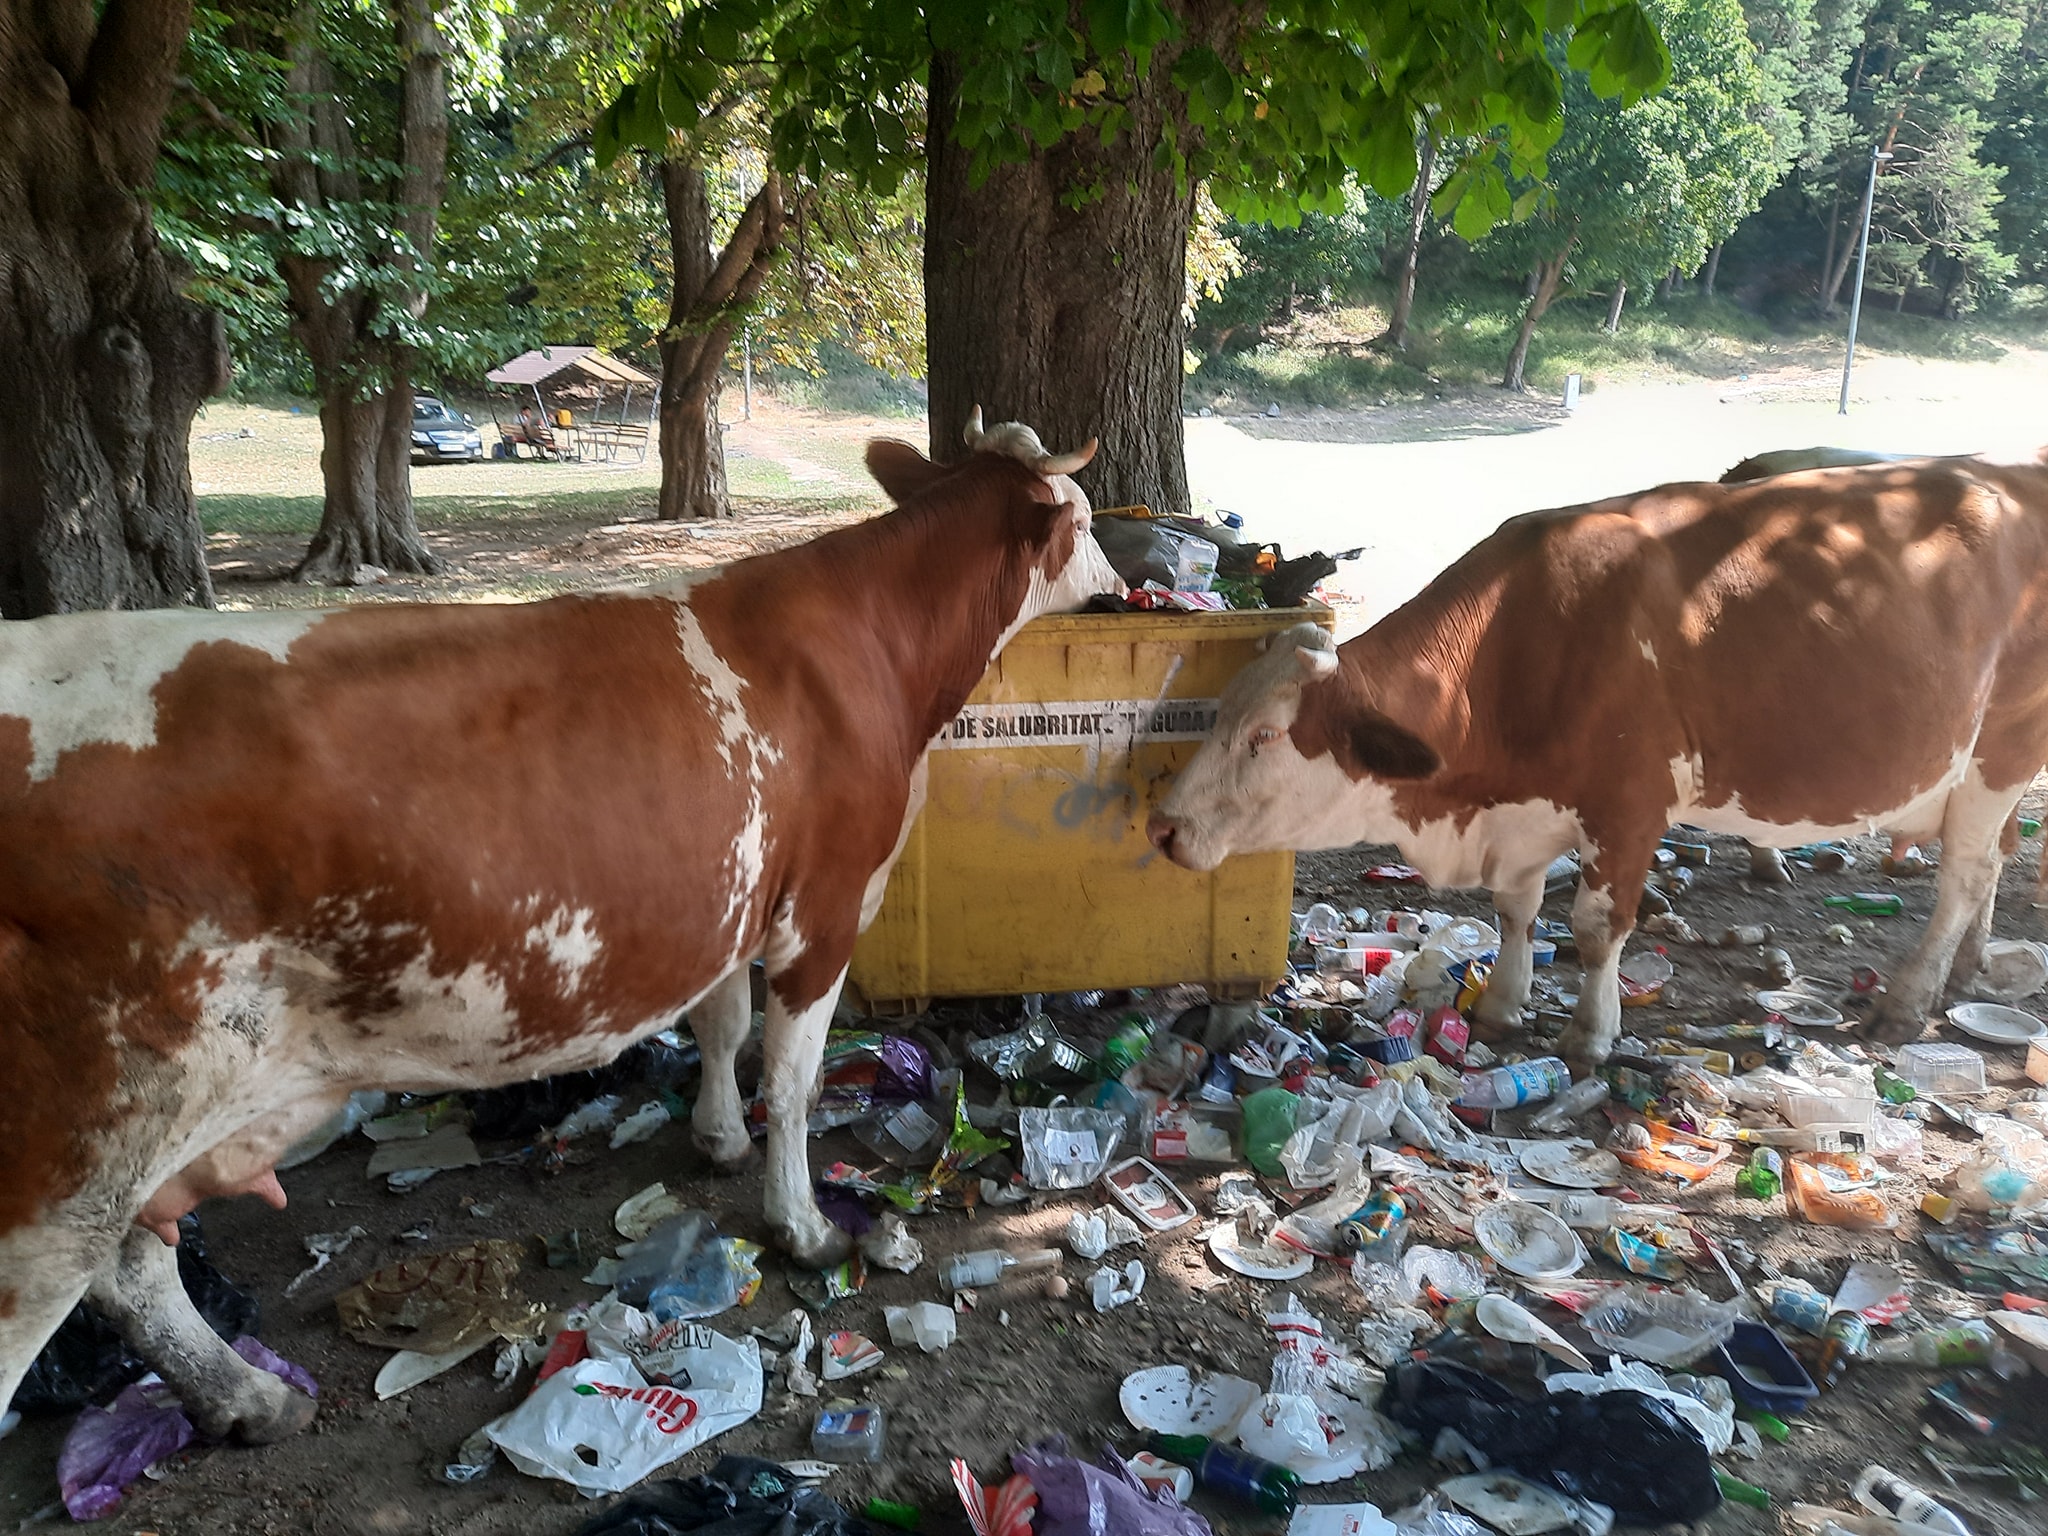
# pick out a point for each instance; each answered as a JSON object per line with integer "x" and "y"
{"x": 1862, "y": 259}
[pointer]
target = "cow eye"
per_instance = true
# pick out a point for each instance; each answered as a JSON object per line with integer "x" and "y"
{"x": 1264, "y": 736}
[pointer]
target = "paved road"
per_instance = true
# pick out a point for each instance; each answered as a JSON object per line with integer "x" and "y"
{"x": 1415, "y": 506}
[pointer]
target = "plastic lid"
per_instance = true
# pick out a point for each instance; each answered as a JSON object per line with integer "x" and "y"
{"x": 1232, "y": 520}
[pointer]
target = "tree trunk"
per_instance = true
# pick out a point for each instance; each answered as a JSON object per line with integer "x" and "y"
{"x": 1396, "y": 334}
{"x": 1548, "y": 274}
{"x": 105, "y": 361}
{"x": 1667, "y": 286}
{"x": 1712, "y": 267}
{"x": 366, "y": 467}
{"x": 1065, "y": 318}
{"x": 706, "y": 304}
{"x": 1828, "y": 282}
{"x": 365, "y": 380}
{"x": 1614, "y": 302}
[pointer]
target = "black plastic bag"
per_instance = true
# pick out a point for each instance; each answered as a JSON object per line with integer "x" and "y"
{"x": 87, "y": 1360}
{"x": 520, "y": 1111}
{"x": 740, "y": 1496}
{"x": 1623, "y": 1449}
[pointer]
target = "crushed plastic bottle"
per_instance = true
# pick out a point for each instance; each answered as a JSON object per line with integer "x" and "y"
{"x": 1582, "y": 1098}
{"x": 1526, "y": 1082}
{"x": 1886, "y": 1493}
{"x": 1966, "y": 1343}
{"x": 988, "y": 1266}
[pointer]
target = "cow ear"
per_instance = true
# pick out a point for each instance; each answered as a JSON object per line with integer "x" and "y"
{"x": 1316, "y": 664}
{"x": 1387, "y": 751}
{"x": 900, "y": 469}
{"x": 1058, "y": 525}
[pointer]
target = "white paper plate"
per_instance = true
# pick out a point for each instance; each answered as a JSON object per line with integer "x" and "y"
{"x": 1996, "y": 1023}
{"x": 1269, "y": 1261}
{"x": 1571, "y": 1167}
{"x": 1527, "y": 1240}
{"x": 1174, "y": 1401}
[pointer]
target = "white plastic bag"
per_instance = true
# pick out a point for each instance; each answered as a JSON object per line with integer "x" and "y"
{"x": 600, "y": 1427}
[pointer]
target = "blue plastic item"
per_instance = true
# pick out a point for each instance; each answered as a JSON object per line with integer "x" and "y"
{"x": 1763, "y": 1372}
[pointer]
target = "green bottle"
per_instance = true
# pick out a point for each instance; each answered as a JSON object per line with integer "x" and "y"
{"x": 1736, "y": 1491}
{"x": 1891, "y": 1087}
{"x": 1125, "y": 1047}
{"x": 1869, "y": 903}
{"x": 1763, "y": 1176}
{"x": 1227, "y": 1469}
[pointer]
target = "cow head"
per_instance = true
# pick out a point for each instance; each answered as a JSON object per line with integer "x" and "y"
{"x": 1058, "y": 526}
{"x": 1290, "y": 746}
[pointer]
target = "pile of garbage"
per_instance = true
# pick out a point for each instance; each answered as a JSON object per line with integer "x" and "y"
{"x": 1187, "y": 565}
{"x": 1563, "y": 1352}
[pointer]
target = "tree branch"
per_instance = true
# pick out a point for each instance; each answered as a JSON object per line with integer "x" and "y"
{"x": 128, "y": 77}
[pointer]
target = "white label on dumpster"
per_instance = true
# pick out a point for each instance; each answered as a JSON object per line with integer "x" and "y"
{"x": 1114, "y": 723}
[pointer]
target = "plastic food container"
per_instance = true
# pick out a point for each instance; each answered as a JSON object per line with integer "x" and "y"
{"x": 1764, "y": 1373}
{"x": 1942, "y": 1069}
{"x": 1836, "y": 1102}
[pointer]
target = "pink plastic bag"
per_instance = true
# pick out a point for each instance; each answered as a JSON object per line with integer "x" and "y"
{"x": 109, "y": 1448}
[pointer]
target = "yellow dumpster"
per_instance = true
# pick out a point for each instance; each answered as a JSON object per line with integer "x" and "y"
{"x": 1029, "y": 870}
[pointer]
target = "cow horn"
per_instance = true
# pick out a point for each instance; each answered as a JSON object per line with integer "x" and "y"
{"x": 1067, "y": 463}
{"x": 973, "y": 434}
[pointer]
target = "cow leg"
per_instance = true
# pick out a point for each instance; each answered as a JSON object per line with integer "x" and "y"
{"x": 1767, "y": 866}
{"x": 43, "y": 1274}
{"x": 718, "y": 1125}
{"x": 1969, "y": 958}
{"x": 223, "y": 1394}
{"x": 795, "y": 1050}
{"x": 1603, "y": 916}
{"x": 1515, "y": 904}
{"x": 1965, "y": 885}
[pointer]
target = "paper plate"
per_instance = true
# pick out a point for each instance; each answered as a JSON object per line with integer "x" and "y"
{"x": 1800, "y": 1008}
{"x": 1528, "y": 1240}
{"x": 1265, "y": 1261}
{"x": 1996, "y": 1023}
{"x": 1174, "y": 1401}
{"x": 1572, "y": 1167}
{"x": 1512, "y": 1505}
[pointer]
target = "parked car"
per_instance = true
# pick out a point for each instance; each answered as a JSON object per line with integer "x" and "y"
{"x": 443, "y": 436}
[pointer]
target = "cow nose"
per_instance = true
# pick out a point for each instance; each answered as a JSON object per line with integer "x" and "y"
{"x": 1160, "y": 830}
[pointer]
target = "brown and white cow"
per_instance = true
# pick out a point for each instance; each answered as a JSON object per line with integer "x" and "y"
{"x": 1801, "y": 657}
{"x": 252, "y": 862}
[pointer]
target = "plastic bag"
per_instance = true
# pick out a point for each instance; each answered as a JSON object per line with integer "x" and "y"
{"x": 107, "y": 1449}
{"x": 1076, "y": 1498}
{"x": 1067, "y": 1148}
{"x": 1808, "y": 1188}
{"x": 87, "y": 1360}
{"x": 434, "y": 1303}
{"x": 684, "y": 1269}
{"x": 1619, "y": 1448}
{"x": 602, "y": 1427}
{"x": 740, "y": 1496}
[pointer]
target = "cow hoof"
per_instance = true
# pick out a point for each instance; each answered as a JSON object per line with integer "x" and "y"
{"x": 292, "y": 1415}
{"x": 727, "y": 1158}
{"x": 1582, "y": 1053}
{"x": 1893, "y": 1026}
{"x": 1767, "y": 866}
{"x": 820, "y": 1250}
{"x": 1494, "y": 1031}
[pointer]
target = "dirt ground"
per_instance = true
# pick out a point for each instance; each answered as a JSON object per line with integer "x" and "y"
{"x": 1023, "y": 1366}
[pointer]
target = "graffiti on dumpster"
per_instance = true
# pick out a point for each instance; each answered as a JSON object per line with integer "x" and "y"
{"x": 1106, "y": 725}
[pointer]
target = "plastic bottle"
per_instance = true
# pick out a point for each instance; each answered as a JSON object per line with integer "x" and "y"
{"x": 1868, "y": 903}
{"x": 1268, "y": 1122}
{"x": 1892, "y": 1088}
{"x": 1889, "y": 1494}
{"x": 848, "y": 1434}
{"x": 1581, "y": 1098}
{"x": 1227, "y": 1470}
{"x": 1524, "y": 1083}
{"x": 1126, "y": 1046}
{"x": 1321, "y": 924}
{"x": 1970, "y": 1343}
{"x": 986, "y": 1266}
{"x": 1763, "y": 1176}
{"x": 677, "y": 1249}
